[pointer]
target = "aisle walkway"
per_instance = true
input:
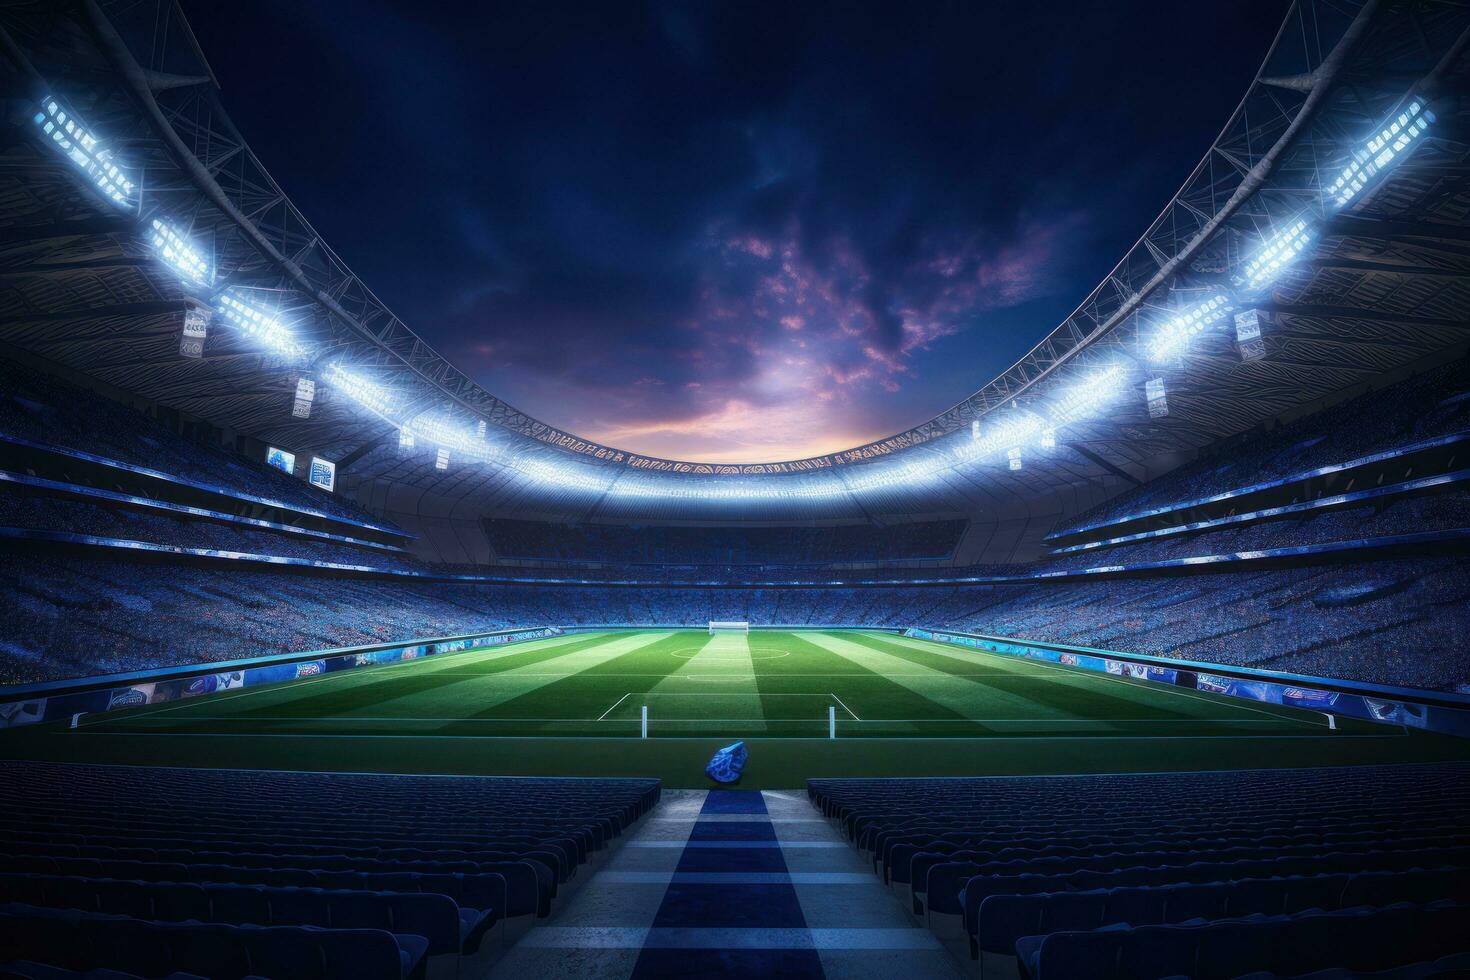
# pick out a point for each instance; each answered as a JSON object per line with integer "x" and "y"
{"x": 732, "y": 883}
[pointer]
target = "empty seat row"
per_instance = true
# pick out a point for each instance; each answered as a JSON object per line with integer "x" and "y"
{"x": 1003, "y": 863}
{"x": 145, "y": 870}
{"x": 519, "y": 888}
{"x": 449, "y": 928}
{"x": 1005, "y": 918}
{"x": 1355, "y": 939}
{"x": 82, "y": 941}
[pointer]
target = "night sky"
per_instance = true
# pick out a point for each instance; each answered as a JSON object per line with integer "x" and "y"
{"x": 731, "y": 231}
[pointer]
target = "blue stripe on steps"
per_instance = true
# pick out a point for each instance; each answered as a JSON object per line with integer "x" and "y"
{"x": 734, "y": 801}
{"x": 614, "y": 937}
{"x": 863, "y": 878}
{"x": 721, "y": 925}
{"x": 728, "y": 963}
{"x": 788, "y": 845}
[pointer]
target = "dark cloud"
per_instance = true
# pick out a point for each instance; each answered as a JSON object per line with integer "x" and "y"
{"x": 732, "y": 230}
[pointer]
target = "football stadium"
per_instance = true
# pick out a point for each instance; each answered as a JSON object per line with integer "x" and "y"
{"x": 1148, "y": 656}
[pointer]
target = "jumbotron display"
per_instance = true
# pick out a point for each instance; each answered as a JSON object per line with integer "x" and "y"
{"x": 855, "y": 592}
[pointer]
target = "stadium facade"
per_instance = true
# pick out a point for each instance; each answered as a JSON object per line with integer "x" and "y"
{"x": 1301, "y": 262}
{"x": 1176, "y": 605}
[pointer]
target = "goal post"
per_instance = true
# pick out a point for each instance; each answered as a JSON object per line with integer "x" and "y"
{"x": 728, "y": 626}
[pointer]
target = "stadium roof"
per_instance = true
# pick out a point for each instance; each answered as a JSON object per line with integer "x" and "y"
{"x": 1346, "y": 161}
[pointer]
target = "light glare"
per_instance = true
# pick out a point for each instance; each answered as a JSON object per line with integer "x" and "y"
{"x": 178, "y": 253}
{"x": 259, "y": 324}
{"x": 1392, "y": 141}
{"x": 79, "y": 145}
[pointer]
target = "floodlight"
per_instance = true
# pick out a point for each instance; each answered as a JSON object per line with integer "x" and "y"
{"x": 259, "y": 324}
{"x": 1391, "y": 143}
{"x": 1087, "y": 395}
{"x": 86, "y": 151}
{"x": 565, "y": 476}
{"x": 1174, "y": 336}
{"x": 450, "y": 435}
{"x": 178, "y": 253}
{"x": 1277, "y": 252}
{"x": 1013, "y": 455}
{"x": 441, "y": 461}
{"x": 405, "y": 439}
{"x": 1015, "y": 428}
{"x": 1049, "y": 438}
{"x": 367, "y": 393}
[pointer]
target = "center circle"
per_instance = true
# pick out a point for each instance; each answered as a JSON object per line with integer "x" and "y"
{"x": 718, "y": 658}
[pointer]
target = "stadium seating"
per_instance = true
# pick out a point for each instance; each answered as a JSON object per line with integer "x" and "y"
{"x": 1394, "y": 622}
{"x": 43, "y": 409}
{"x": 229, "y": 874}
{"x": 184, "y": 530}
{"x": 1187, "y": 874}
{"x": 1431, "y": 404}
{"x": 104, "y": 604}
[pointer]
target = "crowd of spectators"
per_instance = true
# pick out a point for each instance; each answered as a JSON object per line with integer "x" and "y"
{"x": 1388, "y": 621}
{"x": 629, "y": 544}
{"x": 1399, "y": 622}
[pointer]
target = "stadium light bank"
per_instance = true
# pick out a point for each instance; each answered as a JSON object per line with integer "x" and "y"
{"x": 1007, "y": 436}
{"x": 1391, "y": 141}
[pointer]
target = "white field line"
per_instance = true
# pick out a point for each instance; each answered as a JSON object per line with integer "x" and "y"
{"x": 615, "y": 704}
{"x": 1335, "y": 737}
{"x": 845, "y": 708}
{"x": 936, "y": 722}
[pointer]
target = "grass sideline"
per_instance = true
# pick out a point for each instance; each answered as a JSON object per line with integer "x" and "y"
{"x": 570, "y": 705}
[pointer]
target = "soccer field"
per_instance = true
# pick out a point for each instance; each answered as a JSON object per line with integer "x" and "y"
{"x": 729, "y": 684}
{"x": 572, "y": 704}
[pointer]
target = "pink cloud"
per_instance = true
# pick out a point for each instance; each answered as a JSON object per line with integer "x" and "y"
{"x": 789, "y": 342}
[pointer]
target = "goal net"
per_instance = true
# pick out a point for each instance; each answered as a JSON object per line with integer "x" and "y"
{"x": 728, "y": 627}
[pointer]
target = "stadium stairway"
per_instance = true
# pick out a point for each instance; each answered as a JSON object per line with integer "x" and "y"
{"x": 732, "y": 883}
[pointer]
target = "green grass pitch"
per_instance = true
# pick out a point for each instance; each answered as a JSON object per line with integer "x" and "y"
{"x": 572, "y": 704}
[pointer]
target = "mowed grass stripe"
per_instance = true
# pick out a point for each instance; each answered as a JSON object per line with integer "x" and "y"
{"x": 867, "y": 692}
{"x": 1062, "y": 691}
{"x": 326, "y": 694}
{"x": 723, "y": 668}
{"x": 1084, "y": 694}
{"x": 461, "y": 705}
{"x": 589, "y": 693}
{"x": 473, "y": 696}
{"x": 371, "y": 690}
{"x": 1039, "y": 695}
{"x": 971, "y": 698}
{"x": 967, "y": 660}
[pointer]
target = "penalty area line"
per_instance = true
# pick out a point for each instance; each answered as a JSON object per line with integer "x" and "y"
{"x": 615, "y": 704}
{"x": 845, "y": 707}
